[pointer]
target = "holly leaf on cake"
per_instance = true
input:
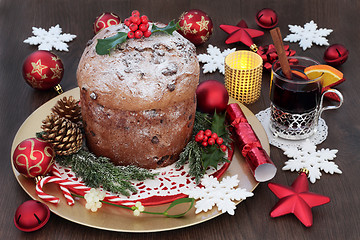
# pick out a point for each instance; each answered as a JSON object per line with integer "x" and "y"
{"x": 212, "y": 156}
{"x": 104, "y": 46}
{"x": 169, "y": 29}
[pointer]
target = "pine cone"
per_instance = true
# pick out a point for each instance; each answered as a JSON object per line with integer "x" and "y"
{"x": 65, "y": 136}
{"x": 68, "y": 108}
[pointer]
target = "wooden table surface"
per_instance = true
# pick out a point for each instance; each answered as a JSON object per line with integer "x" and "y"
{"x": 337, "y": 220}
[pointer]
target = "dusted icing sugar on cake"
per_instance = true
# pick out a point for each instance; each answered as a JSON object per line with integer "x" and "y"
{"x": 138, "y": 103}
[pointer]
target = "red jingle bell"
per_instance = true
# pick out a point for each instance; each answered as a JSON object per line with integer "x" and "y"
{"x": 43, "y": 70}
{"x": 105, "y": 20}
{"x": 33, "y": 157}
{"x": 196, "y": 26}
{"x": 31, "y": 216}
{"x": 212, "y": 95}
{"x": 336, "y": 54}
{"x": 266, "y": 18}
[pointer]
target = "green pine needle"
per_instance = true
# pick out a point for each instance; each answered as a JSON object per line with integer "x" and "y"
{"x": 100, "y": 172}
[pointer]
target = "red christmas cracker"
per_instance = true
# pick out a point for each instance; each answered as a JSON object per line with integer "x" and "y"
{"x": 249, "y": 144}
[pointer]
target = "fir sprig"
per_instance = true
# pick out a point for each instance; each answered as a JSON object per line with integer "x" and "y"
{"x": 192, "y": 154}
{"x": 100, "y": 172}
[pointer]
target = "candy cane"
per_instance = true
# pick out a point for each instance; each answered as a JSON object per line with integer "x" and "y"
{"x": 42, "y": 194}
{"x": 70, "y": 200}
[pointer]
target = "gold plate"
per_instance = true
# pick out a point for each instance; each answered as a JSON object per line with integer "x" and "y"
{"x": 121, "y": 220}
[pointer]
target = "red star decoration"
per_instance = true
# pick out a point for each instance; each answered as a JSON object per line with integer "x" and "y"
{"x": 241, "y": 33}
{"x": 297, "y": 200}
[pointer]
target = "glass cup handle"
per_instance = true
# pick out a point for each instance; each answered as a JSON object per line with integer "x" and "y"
{"x": 331, "y": 106}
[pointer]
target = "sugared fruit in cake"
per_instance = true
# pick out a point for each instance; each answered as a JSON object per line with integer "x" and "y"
{"x": 196, "y": 26}
{"x": 212, "y": 95}
{"x": 336, "y": 54}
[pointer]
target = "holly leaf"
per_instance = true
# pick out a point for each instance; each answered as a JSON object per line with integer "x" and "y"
{"x": 212, "y": 156}
{"x": 104, "y": 46}
{"x": 218, "y": 124}
{"x": 169, "y": 29}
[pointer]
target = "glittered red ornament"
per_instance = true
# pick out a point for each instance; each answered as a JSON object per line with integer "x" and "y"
{"x": 43, "y": 70}
{"x": 241, "y": 33}
{"x": 196, "y": 26}
{"x": 33, "y": 157}
{"x": 212, "y": 95}
{"x": 31, "y": 216}
{"x": 105, "y": 20}
{"x": 266, "y": 18}
{"x": 297, "y": 200}
{"x": 336, "y": 54}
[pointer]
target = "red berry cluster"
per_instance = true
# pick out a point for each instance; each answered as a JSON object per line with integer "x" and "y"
{"x": 208, "y": 138}
{"x": 139, "y": 26}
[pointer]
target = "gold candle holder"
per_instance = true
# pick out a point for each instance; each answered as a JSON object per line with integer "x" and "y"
{"x": 243, "y": 75}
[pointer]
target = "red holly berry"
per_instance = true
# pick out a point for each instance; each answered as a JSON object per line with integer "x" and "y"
{"x": 133, "y": 27}
{"x": 208, "y": 132}
{"x": 135, "y": 12}
{"x": 138, "y": 34}
{"x": 201, "y": 131}
{"x": 144, "y": 19}
{"x": 131, "y": 34}
{"x": 135, "y": 19}
{"x": 200, "y": 136}
{"x": 223, "y": 148}
{"x": 211, "y": 141}
{"x": 127, "y": 22}
{"x": 143, "y": 27}
{"x": 205, "y": 138}
{"x": 204, "y": 144}
{"x": 147, "y": 33}
{"x": 214, "y": 136}
{"x": 219, "y": 141}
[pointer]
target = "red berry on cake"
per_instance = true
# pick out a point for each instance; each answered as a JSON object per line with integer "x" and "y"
{"x": 143, "y": 27}
{"x": 138, "y": 34}
{"x": 127, "y": 22}
{"x": 135, "y": 19}
{"x": 133, "y": 27}
{"x": 144, "y": 19}
{"x": 131, "y": 34}
{"x": 135, "y": 12}
{"x": 147, "y": 33}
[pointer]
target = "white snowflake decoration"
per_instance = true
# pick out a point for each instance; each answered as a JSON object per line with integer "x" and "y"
{"x": 219, "y": 193}
{"x": 308, "y": 35}
{"x": 50, "y": 39}
{"x": 306, "y": 156}
{"x": 214, "y": 59}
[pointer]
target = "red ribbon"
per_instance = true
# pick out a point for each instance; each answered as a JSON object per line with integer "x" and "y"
{"x": 269, "y": 55}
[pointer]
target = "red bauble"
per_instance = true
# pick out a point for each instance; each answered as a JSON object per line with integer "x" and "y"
{"x": 297, "y": 200}
{"x": 336, "y": 54}
{"x": 31, "y": 215}
{"x": 266, "y": 18}
{"x": 33, "y": 157}
{"x": 196, "y": 26}
{"x": 105, "y": 20}
{"x": 212, "y": 95}
{"x": 43, "y": 70}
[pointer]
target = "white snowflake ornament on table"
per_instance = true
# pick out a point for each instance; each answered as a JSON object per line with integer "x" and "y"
{"x": 47, "y": 40}
{"x": 308, "y": 34}
{"x": 306, "y": 156}
{"x": 218, "y": 193}
{"x": 214, "y": 59}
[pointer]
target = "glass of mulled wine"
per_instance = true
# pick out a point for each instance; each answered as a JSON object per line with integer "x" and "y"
{"x": 296, "y": 103}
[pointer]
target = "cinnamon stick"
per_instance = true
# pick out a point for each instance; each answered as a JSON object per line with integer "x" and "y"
{"x": 279, "y": 46}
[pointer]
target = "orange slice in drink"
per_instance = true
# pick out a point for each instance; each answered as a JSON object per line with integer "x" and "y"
{"x": 331, "y": 76}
